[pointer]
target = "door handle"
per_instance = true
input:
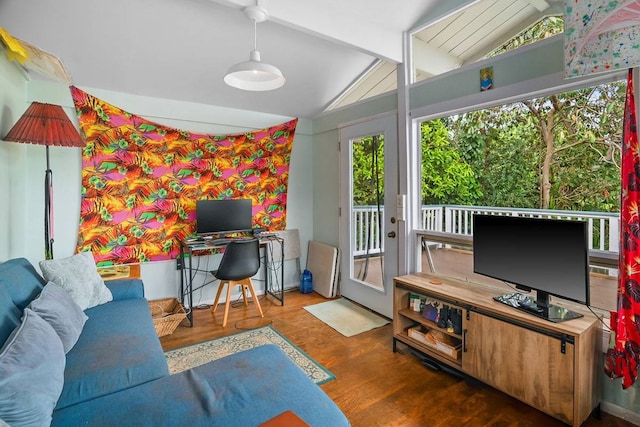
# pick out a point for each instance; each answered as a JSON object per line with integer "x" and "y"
{"x": 391, "y": 234}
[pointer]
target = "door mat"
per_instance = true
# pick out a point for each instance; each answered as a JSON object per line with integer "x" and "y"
{"x": 346, "y": 317}
{"x": 191, "y": 356}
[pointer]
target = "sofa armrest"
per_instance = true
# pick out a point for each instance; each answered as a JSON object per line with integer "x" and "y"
{"x": 125, "y": 288}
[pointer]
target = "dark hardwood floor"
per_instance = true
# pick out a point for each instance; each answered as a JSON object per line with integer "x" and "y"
{"x": 374, "y": 386}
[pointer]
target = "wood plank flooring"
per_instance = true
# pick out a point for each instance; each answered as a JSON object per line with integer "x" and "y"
{"x": 374, "y": 386}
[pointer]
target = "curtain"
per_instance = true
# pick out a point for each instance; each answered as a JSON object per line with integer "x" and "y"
{"x": 141, "y": 180}
{"x": 622, "y": 360}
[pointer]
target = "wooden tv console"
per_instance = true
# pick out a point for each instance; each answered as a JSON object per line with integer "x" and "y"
{"x": 554, "y": 367}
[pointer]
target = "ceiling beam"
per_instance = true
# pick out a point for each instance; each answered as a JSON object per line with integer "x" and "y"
{"x": 432, "y": 60}
{"x": 541, "y": 5}
{"x": 368, "y": 37}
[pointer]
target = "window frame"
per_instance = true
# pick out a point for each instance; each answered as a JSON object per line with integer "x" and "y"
{"x": 539, "y": 87}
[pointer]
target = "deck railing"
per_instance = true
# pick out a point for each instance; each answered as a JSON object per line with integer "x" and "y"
{"x": 603, "y": 227}
{"x": 368, "y": 240}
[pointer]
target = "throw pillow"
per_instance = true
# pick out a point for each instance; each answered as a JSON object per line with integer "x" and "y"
{"x": 32, "y": 365}
{"x": 57, "y": 308}
{"x": 9, "y": 315}
{"x": 79, "y": 276}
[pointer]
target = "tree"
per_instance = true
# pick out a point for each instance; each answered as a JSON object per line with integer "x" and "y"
{"x": 497, "y": 147}
{"x": 580, "y": 134}
{"x": 368, "y": 171}
{"x": 446, "y": 177}
{"x": 558, "y": 152}
{"x": 543, "y": 29}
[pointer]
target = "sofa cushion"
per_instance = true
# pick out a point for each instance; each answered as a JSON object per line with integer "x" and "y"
{"x": 21, "y": 280}
{"x": 244, "y": 389}
{"x": 79, "y": 276}
{"x": 118, "y": 349}
{"x": 125, "y": 288}
{"x": 58, "y": 309}
{"x": 31, "y": 373}
{"x": 9, "y": 315}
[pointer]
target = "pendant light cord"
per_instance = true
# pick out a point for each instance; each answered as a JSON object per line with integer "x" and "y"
{"x": 255, "y": 35}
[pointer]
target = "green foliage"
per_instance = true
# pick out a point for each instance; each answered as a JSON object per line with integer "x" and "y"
{"x": 579, "y": 134}
{"x": 446, "y": 177}
{"x": 547, "y": 27}
{"x": 497, "y": 146}
{"x": 368, "y": 170}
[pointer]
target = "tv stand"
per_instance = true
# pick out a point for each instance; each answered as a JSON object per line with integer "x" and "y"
{"x": 553, "y": 367}
{"x": 550, "y": 312}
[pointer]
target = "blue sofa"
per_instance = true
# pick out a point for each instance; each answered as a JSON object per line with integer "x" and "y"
{"x": 117, "y": 374}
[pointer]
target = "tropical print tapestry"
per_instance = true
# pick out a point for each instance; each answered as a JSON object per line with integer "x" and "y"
{"x": 622, "y": 360}
{"x": 141, "y": 180}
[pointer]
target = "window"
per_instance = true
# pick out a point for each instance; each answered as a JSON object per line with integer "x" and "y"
{"x": 556, "y": 156}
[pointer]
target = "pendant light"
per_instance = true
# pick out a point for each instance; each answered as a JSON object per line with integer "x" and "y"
{"x": 253, "y": 74}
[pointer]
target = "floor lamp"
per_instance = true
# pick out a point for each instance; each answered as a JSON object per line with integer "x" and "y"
{"x": 46, "y": 124}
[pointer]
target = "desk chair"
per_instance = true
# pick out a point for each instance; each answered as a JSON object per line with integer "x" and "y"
{"x": 240, "y": 262}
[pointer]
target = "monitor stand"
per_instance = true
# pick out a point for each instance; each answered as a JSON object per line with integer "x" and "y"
{"x": 550, "y": 312}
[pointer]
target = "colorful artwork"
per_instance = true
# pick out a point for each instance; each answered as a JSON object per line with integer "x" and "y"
{"x": 141, "y": 180}
{"x": 601, "y": 35}
{"x": 622, "y": 360}
{"x": 486, "y": 78}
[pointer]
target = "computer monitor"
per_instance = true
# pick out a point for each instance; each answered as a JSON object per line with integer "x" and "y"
{"x": 550, "y": 256}
{"x": 223, "y": 216}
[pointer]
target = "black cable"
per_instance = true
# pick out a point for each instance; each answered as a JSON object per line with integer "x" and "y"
{"x": 520, "y": 291}
{"x": 607, "y": 328}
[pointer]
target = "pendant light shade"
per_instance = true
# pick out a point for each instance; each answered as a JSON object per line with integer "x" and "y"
{"x": 254, "y": 75}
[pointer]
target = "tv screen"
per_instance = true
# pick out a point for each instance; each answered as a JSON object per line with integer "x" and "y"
{"x": 550, "y": 256}
{"x": 223, "y": 216}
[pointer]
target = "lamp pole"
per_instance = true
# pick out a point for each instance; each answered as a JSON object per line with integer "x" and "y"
{"x": 48, "y": 195}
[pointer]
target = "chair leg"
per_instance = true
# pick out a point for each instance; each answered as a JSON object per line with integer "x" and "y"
{"x": 227, "y": 303}
{"x": 214, "y": 307}
{"x": 255, "y": 298}
{"x": 244, "y": 293}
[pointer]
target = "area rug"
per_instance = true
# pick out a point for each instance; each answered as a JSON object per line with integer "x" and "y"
{"x": 188, "y": 357}
{"x": 346, "y": 317}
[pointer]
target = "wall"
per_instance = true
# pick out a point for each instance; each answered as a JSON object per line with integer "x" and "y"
{"x": 326, "y": 170}
{"x": 13, "y": 92}
{"x": 161, "y": 278}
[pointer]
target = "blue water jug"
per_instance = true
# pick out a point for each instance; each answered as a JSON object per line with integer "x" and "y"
{"x": 306, "y": 282}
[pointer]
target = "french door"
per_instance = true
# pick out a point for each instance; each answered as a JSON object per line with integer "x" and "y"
{"x": 368, "y": 220}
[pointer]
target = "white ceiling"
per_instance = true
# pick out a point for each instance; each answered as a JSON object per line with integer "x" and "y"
{"x": 181, "y": 49}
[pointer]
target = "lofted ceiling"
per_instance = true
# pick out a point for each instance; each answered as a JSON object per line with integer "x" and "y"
{"x": 332, "y": 52}
{"x": 464, "y": 36}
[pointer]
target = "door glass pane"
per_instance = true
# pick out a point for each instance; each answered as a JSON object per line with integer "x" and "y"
{"x": 367, "y": 216}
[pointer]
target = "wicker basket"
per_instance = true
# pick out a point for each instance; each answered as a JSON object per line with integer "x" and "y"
{"x": 167, "y": 313}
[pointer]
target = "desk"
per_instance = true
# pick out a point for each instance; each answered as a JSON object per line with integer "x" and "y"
{"x": 114, "y": 272}
{"x": 189, "y": 249}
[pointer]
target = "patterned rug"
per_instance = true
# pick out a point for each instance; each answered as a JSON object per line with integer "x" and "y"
{"x": 185, "y": 358}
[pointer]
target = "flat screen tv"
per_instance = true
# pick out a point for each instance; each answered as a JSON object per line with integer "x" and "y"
{"x": 550, "y": 256}
{"x": 223, "y": 216}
